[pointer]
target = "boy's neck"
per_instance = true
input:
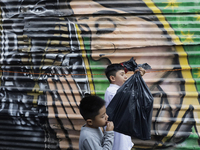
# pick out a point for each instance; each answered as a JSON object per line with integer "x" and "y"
{"x": 114, "y": 83}
{"x": 86, "y": 125}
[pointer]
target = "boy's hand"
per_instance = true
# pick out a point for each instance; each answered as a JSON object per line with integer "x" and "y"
{"x": 110, "y": 126}
{"x": 141, "y": 70}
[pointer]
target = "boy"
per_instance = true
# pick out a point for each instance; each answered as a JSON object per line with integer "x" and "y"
{"x": 116, "y": 76}
{"x": 93, "y": 110}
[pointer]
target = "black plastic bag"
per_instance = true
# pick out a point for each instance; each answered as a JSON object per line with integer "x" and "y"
{"x": 131, "y": 108}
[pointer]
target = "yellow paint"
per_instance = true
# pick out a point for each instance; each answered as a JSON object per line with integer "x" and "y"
{"x": 185, "y": 73}
{"x": 56, "y": 34}
{"x": 198, "y": 17}
{"x": 65, "y": 43}
{"x": 198, "y": 73}
{"x": 64, "y": 28}
{"x": 35, "y": 93}
{"x": 162, "y": 19}
{"x": 189, "y": 99}
{"x": 85, "y": 61}
{"x": 171, "y": 3}
{"x": 188, "y": 37}
{"x": 57, "y": 28}
{"x": 55, "y": 42}
{"x": 65, "y": 35}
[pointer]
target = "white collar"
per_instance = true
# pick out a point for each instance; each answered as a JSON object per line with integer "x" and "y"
{"x": 114, "y": 85}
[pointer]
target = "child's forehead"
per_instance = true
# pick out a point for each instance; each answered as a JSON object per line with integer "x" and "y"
{"x": 102, "y": 110}
{"x": 119, "y": 71}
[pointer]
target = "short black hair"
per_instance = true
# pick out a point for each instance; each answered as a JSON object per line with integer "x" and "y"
{"x": 90, "y": 105}
{"x": 112, "y": 69}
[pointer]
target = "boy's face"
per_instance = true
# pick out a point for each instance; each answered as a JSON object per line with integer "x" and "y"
{"x": 119, "y": 78}
{"x": 101, "y": 119}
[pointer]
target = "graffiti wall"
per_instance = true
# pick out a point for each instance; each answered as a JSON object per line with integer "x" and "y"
{"x": 53, "y": 52}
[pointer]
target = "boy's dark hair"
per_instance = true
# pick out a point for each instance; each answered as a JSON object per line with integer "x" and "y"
{"x": 90, "y": 105}
{"x": 112, "y": 69}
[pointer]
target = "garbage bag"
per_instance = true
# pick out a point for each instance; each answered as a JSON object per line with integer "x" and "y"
{"x": 131, "y": 108}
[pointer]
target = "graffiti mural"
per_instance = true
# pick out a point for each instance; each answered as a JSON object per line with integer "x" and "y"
{"x": 53, "y": 52}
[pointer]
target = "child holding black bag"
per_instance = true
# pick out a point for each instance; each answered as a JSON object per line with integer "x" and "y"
{"x": 116, "y": 76}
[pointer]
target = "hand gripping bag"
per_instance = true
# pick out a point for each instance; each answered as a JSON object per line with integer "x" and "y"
{"x": 131, "y": 108}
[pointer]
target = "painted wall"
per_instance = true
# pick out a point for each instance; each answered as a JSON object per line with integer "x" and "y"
{"x": 55, "y": 51}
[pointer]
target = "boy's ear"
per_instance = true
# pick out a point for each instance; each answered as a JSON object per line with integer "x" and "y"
{"x": 112, "y": 78}
{"x": 89, "y": 122}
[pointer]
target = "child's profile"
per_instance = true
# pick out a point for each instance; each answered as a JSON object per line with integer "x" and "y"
{"x": 93, "y": 110}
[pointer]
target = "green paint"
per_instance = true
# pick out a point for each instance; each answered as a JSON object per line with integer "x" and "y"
{"x": 186, "y": 23}
{"x": 194, "y": 61}
{"x": 177, "y": 6}
{"x": 97, "y": 69}
{"x": 186, "y": 27}
{"x": 190, "y": 143}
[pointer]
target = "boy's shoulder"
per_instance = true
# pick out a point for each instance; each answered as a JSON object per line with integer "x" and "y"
{"x": 112, "y": 88}
{"x": 89, "y": 131}
{"x": 110, "y": 93}
{"x": 88, "y": 136}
